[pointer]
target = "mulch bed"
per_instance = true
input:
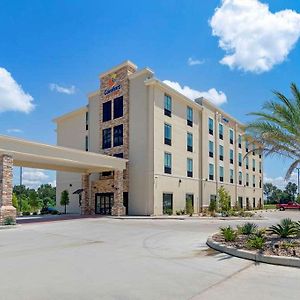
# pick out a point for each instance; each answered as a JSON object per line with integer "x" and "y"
{"x": 274, "y": 245}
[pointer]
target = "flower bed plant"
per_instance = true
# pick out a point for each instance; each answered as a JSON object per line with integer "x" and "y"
{"x": 282, "y": 239}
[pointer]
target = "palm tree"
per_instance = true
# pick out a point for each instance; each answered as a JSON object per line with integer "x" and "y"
{"x": 277, "y": 127}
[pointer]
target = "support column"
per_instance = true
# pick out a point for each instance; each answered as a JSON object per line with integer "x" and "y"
{"x": 6, "y": 189}
{"x": 118, "y": 209}
{"x": 85, "y": 201}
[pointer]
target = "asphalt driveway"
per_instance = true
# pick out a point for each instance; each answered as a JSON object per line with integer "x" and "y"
{"x": 107, "y": 258}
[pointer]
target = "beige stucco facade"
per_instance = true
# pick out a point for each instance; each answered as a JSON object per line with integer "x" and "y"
{"x": 144, "y": 119}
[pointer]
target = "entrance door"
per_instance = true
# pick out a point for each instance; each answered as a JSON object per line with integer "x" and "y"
{"x": 104, "y": 203}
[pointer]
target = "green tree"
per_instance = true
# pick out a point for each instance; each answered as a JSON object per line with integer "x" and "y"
{"x": 47, "y": 194}
{"x": 64, "y": 200}
{"x": 34, "y": 201}
{"x": 291, "y": 190}
{"x": 15, "y": 202}
{"x": 269, "y": 188}
{"x": 277, "y": 128}
{"x": 224, "y": 200}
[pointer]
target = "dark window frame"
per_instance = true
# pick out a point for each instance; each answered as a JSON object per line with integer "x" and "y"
{"x": 106, "y": 140}
{"x": 118, "y": 135}
{"x": 118, "y": 107}
{"x": 107, "y": 105}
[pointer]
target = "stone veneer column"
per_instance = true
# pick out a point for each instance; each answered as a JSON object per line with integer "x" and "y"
{"x": 85, "y": 201}
{"x": 118, "y": 209}
{"x": 6, "y": 188}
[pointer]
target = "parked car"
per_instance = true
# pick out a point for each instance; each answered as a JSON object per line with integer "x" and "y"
{"x": 49, "y": 210}
{"x": 289, "y": 205}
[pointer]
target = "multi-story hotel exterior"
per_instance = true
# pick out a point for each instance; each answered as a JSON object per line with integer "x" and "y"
{"x": 178, "y": 150}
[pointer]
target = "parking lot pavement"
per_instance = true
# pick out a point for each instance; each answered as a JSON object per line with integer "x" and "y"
{"x": 104, "y": 258}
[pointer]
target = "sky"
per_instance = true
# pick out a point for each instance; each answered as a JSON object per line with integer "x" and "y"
{"x": 233, "y": 52}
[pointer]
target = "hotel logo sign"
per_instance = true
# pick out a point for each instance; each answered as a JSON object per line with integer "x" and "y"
{"x": 113, "y": 85}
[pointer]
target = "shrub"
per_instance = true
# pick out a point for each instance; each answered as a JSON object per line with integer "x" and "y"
{"x": 247, "y": 228}
{"x": 178, "y": 212}
{"x": 26, "y": 213}
{"x": 224, "y": 200}
{"x": 212, "y": 205}
{"x": 9, "y": 221}
{"x": 228, "y": 233}
{"x": 55, "y": 212}
{"x": 285, "y": 228}
{"x": 261, "y": 232}
{"x": 256, "y": 242}
{"x": 287, "y": 245}
{"x": 189, "y": 207}
{"x": 168, "y": 211}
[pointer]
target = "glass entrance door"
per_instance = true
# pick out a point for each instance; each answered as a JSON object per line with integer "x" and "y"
{"x": 104, "y": 203}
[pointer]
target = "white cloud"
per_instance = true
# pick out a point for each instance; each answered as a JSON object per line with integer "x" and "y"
{"x": 61, "y": 89}
{"x": 254, "y": 38}
{"x": 279, "y": 181}
{"x": 33, "y": 178}
{"x": 212, "y": 94}
{"x": 53, "y": 183}
{"x": 12, "y": 96}
{"x": 14, "y": 130}
{"x": 194, "y": 62}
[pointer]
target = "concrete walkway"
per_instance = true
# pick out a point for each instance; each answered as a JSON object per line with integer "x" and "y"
{"x": 105, "y": 258}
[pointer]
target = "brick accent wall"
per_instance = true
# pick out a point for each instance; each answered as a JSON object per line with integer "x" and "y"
{"x": 118, "y": 208}
{"x": 6, "y": 188}
{"x": 106, "y": 185}
{"x": 85, "y": 200}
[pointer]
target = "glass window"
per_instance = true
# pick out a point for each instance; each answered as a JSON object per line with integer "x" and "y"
{"x": 86, "y": 143}
{"x": 231, "y": 136}
{"x": 253, "y": 180}
{"x": 211, "y": 126}
{"x": 211, "y": 171}
{"x": 106, "y": 138}
{"x": 231, "y": 156}
{"x": 168, "y": 163}
{"x": 240, "y": 159}
{"x": 221, "y": 173}
{"x": 260, "y": 183}
{"x": 211, "y": 148}
{"x": 247, "y": 179}
{"x": 106, "y": 111}
{"x": 260, "y": 167}
{"x": 221, "y": 152}
{"x": 231, "y": 176}
{"x": 168, "y": 105}
{"x": 118, "y": 107}
{"x": 120, "y": 155}
{"x": 247, "y": 162}
{"x": 189, "y": 167}
{"x": 167, "y": 204}
{"x": 253, "y": 165}
{"x": 240, "y": 141}
{"x": 189, "y": 142}
{"x": 189, "y": 202}
{"x": 240, "y": 178}
{"x": 118, "y": 135}
{"x": 189, "y": 116}
{"x": 87, "y": 120}
{"x": 168, "y": 134}
{"x": 247, "y": 146}
{"x": 221, "y": 131}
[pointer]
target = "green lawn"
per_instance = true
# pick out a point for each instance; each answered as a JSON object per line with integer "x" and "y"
{"x": 270, "y": 206}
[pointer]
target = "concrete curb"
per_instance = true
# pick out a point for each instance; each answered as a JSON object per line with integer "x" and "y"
{"x": 3, "y": 227}
{"x": 268, "y": 259}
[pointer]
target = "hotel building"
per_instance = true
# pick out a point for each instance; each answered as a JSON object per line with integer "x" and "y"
{"x": 178, "y": 150}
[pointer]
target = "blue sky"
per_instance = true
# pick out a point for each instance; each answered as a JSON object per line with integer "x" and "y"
{"x": 68, "y": 43}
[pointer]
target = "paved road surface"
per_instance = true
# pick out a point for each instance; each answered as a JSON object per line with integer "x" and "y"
{"x": 134, "y": 259}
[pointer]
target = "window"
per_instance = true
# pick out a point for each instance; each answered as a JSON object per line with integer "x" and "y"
{"x": 211, "y": 148}
{"x": 106, "y": 174}
{"x": 240, "y": 141}
{"x": 253, "y": 180}
{"x": 189, "y": 116}
{"x": 221, "y": 131}
{"x": 168, "y": 163}
{"x": 118, "y": 107}
{"x": 221, "y": 152}
{"x": 231, "y": 136}
{"x": 106, "y": 111}
{"x": 231, "y": 156}
{"x": 189, "y": 142}
{"x": 240, "y": 159}
{"x": 247, "y": 179}
{"x": 260, "y": 183}
{"x": 247, "y": 162}
{"x": 260, "y": 167}
{"x": 189, "y": 167}
{"x": 86, "y": 143}
{"x": 240, "y": 178}
{"x": 247, "y": 203}
{"x": 211, "y": 171}
{"x": 106, "y": 138}
{"x": 189, "y": 203}
{"x": 253, "y": 165}
{"x": 247, "y": 146}
{"x": 221, "y": 173}
{"x": 240, "y": 202}
{"x": 168, "y": 105}
{"x": 119, "y": 155}
{"x": 167, "y": 204}
{"x": 254, "y": 204}
{"x": 168, "y": 134}
{"x": 231, "y": 176}
{"x": 118, "y": 135}
{"x": 87, "y": 120}
{"x": 211, "y": 126}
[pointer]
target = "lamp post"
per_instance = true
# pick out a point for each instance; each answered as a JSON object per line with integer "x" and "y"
{"x": 298, "y": 173}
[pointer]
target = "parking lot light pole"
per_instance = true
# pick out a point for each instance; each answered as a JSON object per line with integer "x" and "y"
{"x": 298, "y": 171}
